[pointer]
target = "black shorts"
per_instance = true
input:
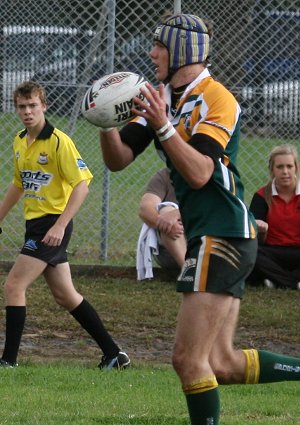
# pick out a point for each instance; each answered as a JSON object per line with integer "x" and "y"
{"x": 217, "y": 265}
{"x": 35, "y": 232}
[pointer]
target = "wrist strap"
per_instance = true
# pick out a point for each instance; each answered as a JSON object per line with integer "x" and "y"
{"x": 163, "y": 128}
{"x": 166, "y": 136}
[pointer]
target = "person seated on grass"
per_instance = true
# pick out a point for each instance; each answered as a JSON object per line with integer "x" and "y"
{"x": 276, "y": 207}
{"x": 159, "y": 211}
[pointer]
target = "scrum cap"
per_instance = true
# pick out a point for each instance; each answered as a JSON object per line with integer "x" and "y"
{"x": 186, "y": 38}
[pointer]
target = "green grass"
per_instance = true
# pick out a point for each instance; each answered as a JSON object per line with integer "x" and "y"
{"x": 58, "y": 382}
{"x": 67, "y": 394}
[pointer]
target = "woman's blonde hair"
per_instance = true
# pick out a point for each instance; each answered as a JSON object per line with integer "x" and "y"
{"x": 280, "y": 150}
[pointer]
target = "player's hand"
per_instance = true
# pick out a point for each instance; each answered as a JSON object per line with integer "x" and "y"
{"x": 153, "y": 108}
{"x": 54, "y": 236}
{"x": 170, "y": 224}
{"x": 262, "y": 226}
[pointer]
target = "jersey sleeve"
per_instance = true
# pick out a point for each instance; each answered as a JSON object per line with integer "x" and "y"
{"x": 221, "y": 114}
{"x": 71, "y": 164}
{"x": 259, "y": 207}
{"x": 137, "y": 136}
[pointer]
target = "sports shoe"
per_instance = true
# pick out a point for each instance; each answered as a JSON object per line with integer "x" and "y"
{"x": 122, "y": 361}
{"x": 3, "y": 363}
{"x": 269, "y": 284}
{"x": 298, "y": 286}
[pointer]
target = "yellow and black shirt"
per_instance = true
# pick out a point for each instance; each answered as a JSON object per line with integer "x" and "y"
{"x": 48, "y": 170}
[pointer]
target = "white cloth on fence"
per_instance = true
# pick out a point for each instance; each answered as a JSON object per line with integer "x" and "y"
{"x": 148, "y": 244}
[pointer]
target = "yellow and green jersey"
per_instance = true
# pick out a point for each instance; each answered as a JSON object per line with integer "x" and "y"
{"x": 47, "y": 170}
{"x": 208, "y": 117}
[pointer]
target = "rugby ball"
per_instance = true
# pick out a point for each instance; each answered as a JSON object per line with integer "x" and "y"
{"x": 108, "y": 102}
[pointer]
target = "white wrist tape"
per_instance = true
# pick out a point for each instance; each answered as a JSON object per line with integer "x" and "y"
{"x": 163, "y": 128}
{"x": 167, "y": 135}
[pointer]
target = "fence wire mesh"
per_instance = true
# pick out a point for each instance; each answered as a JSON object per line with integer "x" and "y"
{"x": 65, "y": 45}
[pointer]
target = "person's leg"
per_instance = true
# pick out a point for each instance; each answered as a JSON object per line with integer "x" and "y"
{"x": 273, "y": 263}
{"x": 25, "y": 271}
{"x": 165, "y": 260}
{"x": 248, "y": 366}
{"x": 200, "y": 318}
{"x": 176, "y": 247}
{"x": 228, "y": 363}
{"x": 61, "y": 285}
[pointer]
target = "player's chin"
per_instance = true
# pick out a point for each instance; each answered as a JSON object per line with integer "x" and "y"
{"x": 160, "y": 75}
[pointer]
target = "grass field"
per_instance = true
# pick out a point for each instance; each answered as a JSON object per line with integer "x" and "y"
{"x": 64, "y": 394}
{"x": 58, "y": 382}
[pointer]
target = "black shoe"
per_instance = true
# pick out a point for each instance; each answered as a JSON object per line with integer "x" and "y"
{"x": 3, "y": 363}
{"x": 122, "y": 361}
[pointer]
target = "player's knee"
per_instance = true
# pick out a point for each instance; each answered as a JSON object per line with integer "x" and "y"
{"x": 12, "y": 289}
{"x": 178, "y": 362}
{"x": 184, "y": 363}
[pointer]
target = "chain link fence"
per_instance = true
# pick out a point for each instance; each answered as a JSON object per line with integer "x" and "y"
{"x": 65, "y": 45}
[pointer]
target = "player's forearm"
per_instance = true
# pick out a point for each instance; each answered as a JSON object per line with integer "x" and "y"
{"x": 116, "y": 154}
{"x": 75, "y": 201}
{"x": 149, "y": 216}
{"x": 194, "y": 167}
{"x": 12, "y": 196}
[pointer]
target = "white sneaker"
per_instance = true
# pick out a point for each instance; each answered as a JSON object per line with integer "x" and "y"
{"x": 269, "y": 284}
{"x": 298, "y": 286}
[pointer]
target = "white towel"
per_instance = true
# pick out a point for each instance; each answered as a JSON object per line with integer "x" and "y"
{"x": 146, "y": 246}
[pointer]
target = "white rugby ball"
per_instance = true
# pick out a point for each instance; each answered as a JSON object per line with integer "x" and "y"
{"x": 108, "y": 101}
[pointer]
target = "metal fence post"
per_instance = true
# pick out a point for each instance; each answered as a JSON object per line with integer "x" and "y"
{"x": 111, "y": 16}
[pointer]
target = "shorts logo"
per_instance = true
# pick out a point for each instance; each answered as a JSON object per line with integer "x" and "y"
{"x": 188, "y": 270}
{"x": 31, "y": 245}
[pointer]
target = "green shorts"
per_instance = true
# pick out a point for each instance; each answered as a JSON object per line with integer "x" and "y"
{"x": 217, "y": 265}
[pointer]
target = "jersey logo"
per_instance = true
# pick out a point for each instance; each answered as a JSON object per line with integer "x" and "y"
{"x": 187, "y": 121}
{"x": 34, "y": 180}
{"x": 43, "y": 158}
{"x": 81, "y": 164}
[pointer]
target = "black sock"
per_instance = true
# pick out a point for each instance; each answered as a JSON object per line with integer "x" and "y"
{"x": 89, "y": 319}
{"x": 15, "y": 320}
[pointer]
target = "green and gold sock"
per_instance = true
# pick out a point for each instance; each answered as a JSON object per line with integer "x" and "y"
{"x": 265, "y": 367}
{"x": 203, "y": 401}
{"x": 277, "y": 367}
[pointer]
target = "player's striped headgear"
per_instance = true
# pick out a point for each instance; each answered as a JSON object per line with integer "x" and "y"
{"x": 186, "y": 38}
